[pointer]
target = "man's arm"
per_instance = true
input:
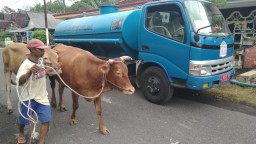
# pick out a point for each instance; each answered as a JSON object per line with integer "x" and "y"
{"x": 25, "y": 77}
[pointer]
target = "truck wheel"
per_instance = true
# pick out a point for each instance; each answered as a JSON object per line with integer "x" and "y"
{"x": 155, "y": 85}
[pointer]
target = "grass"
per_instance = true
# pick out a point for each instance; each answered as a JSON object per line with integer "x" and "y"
{"x": 228, "y": 92}
{"x": 234, "y": 93}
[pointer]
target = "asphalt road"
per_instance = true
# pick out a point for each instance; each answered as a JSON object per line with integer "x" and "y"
{"x": 133, "y": 120}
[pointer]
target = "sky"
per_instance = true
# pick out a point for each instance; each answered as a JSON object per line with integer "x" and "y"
{"x": 21, "y": 4}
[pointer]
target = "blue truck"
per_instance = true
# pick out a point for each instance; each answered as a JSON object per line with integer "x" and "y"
{"x": 174, "y": 43}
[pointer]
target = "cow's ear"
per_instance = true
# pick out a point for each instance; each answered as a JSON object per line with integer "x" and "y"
{"x": 104, "y": 68}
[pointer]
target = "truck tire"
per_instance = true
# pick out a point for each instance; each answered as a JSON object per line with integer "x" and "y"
{"x": 155, "y": 85}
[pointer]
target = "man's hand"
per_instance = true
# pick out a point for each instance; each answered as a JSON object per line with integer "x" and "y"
{"x": 34, "y": 69}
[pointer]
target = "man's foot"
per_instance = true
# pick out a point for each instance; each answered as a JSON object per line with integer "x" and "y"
{"x": 21, "y": 139}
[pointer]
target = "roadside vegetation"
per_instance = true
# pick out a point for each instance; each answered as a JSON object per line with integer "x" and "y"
{"x": 3, "y": 35}
{"x": 234, "y": 93}
{"x": 229, "y": 92}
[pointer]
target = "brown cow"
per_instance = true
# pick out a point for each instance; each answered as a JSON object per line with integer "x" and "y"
{"x": 90, "y": 76}
{"x": 13, "y": 55}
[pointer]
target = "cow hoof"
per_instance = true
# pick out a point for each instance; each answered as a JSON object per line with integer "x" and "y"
{"x": 53, "y": 105}
{"x": 62, "y": 109}
{"x": 9, "y": 111}
{"x": 105, "y": 131}
{"x": 72, "y": 122}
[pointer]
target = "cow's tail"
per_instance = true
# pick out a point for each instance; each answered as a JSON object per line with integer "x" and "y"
{"x": 12, "y": 82}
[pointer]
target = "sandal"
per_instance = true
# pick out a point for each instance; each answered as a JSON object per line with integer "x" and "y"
{"x": 21, "y": 140}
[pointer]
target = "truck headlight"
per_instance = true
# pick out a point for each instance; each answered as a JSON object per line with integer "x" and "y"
{"x": 194, "y": 69}
{"x": 206, "y": 70}
{"x": 199, "y": 70}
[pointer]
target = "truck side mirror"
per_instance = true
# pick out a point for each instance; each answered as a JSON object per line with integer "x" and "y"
{"x": 196, "y": 37}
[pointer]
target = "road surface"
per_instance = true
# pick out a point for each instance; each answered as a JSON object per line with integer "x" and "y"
{"x": 133, "y": 120}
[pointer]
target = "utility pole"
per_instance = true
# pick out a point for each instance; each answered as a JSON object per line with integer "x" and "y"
{"x": 64, "y": 7}
{"x": 46, "y": 25}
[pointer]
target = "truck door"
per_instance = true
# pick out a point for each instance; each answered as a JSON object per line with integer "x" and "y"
{"x": 164, "y": 40}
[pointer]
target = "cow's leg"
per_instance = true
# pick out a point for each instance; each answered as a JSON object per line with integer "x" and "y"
{"x": 52, "y": 83}
{"x": 7, "y": 75}
{"x": 61, "y": 106}
{"x": 102, "y": 127}
{"x": 75, "y": 106}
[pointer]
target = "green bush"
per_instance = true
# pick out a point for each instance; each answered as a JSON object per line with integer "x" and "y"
{"x": 3, "y": 35}
{"x": 40, "y": 34}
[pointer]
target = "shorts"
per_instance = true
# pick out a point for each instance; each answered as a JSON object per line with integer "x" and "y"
{"x": 43, "y": 112}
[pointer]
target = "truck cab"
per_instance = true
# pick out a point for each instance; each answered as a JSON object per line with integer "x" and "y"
{"x": 180, "y": 42}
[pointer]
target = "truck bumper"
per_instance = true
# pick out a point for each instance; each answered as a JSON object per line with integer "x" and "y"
{"x": 203, "y": 83}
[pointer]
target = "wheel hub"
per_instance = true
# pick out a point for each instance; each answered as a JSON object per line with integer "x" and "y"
{"x": 153, "y": 85}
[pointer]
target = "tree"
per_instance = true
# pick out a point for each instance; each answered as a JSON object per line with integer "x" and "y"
{"x": 3, "y": 35}
{"x": 6, "y": 9}
{"x": 40, "y": 34}
{"x": 1, "y": 16}
{"x": 52, "y": 7}
{"x": 219, "y": 3}
{"x": 57, "y": 6}
{"x": 37, "y": 8}
{"x": 88, "y": 4}
{"x": 78, "y": 5}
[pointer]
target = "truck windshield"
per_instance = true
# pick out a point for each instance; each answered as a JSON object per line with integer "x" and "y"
{"x": 206, "y": 18}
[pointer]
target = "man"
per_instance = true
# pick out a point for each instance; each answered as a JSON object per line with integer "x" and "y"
{"x": 31, "y": 77}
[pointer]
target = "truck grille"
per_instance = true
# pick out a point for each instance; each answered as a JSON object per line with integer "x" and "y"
{"x": 221, "y": 67}
{"x": 210, "y": 67}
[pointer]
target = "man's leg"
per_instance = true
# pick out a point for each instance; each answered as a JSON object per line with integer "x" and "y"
{"x": 21, "y": 137}
{"x": 43, "y": 132}
{"x": 21, "y": 128}
{"x": 44, "y": 116}
{"x": 22, "y": 122}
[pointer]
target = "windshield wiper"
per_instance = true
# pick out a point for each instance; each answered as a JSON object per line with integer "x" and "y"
{"x": 196, "y": 36}
{"x": 203, "y": 28}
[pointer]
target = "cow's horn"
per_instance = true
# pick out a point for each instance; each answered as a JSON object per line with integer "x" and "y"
{"x": 124, "y": 58}
{"x": 111, "y": 61}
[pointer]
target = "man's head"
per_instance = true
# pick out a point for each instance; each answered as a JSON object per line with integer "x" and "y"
{"x": 36, "y": 47}
{"x": 36, "y": 43}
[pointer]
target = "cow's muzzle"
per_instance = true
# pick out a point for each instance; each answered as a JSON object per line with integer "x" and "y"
{"x": 128, "y": 91}
{"x": 53, "y": 69}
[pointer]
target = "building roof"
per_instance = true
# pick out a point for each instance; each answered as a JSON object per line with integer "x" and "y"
{"x": 37, "y": 20}
{"x": 5, "y": 24}
{"x": 20, "y": 19}
{"x": 21, "y": 30}
{"x": 20, "y": 22}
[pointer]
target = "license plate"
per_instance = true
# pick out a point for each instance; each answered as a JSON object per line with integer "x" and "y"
{"x": 225, "y": 77}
